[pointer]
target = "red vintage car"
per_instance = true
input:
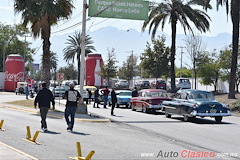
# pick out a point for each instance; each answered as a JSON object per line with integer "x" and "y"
{"x": 149, "y": 100}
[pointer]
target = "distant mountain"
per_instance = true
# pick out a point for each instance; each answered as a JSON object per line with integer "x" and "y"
{"x": 127, "y": 41}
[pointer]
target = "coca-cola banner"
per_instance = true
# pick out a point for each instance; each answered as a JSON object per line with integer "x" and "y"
{"x": 93, "y": 70}
{"x": 14, "y": 72}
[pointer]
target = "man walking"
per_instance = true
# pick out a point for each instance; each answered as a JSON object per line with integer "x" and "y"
{"x": 43, "y": 98}
{"x": 73, "y": 98}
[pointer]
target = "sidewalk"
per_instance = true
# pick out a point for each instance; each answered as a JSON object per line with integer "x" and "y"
{"x": 8, "y": 152}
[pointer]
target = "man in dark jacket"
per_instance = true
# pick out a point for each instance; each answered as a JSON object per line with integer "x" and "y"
{"x": 73, "y": 98}
{"x": 43, "y": 98}
{"x": 96, "y": 96}
{"x": 114, "y": 100}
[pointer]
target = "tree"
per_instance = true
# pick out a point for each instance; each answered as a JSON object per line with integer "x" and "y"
{"x": 210, "y": 70}
{"x": 109, "y": 69}
{"x": 176, "y": 11}
{"x": 155, "y": 61}
{"x": 74, "y": 49}
{"x": 42, "y": 14}
{"x": 194, "y": 48}
{"x": 11, "y": 44}
{"x": 234, "y": 12}
{"x": 185, "y": 72}
{"x": 225, "y": 63}
{"x": 70, "y": 72}
{"x": 129, "y": 68}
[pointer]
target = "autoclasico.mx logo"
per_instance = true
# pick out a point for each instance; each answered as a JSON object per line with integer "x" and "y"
{"x": 188, "y": 154}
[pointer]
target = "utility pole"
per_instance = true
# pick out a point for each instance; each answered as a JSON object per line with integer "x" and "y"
{"x": 82, "y": 70}
{"x": 181, "y": 59}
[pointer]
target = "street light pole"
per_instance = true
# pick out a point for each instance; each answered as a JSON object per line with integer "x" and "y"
{"x": 82, "y": 70}
{"x": 181, "y": 60}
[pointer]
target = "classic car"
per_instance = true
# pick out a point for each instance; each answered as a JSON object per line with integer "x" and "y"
{"x": 123, "y": 97}
{"x": 149, "y": 100}
{"x": 191, "y": 103}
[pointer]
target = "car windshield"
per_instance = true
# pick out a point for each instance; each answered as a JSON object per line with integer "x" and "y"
{"x": 201, "y": 95}
{"x": 125, "y": 93}
{"x": 157, "y": 94}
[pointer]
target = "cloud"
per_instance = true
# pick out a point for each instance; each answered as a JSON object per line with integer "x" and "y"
{"x": 5, "y": 8}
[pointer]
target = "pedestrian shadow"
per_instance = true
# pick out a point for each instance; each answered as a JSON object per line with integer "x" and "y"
{"x": 79, "y": 133}
{"x": 117, "y": 116}
{"x": 50, "y": 132}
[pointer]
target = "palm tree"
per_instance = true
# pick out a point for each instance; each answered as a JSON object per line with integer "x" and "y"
{"x": 175, "y": 11}
{"x": 74, "y": 49}
{"x": 234, "y": 11}
{"x": 42, "y": 14}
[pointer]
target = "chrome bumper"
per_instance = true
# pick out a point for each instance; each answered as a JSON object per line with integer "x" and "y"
{"x": 194, "y": 113}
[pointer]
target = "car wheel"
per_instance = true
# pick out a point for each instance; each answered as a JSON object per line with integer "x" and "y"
{"x": 218, "y": 119}
{"x": 186, "y": 118}
{"x": 118, "y": 105}
{"x": 127, "y": 105}
{"x": 144, "y": 109}
{"x": 168, "y": 115}
{"x": 21, "y": 90}
{"x": 131, "y": 105}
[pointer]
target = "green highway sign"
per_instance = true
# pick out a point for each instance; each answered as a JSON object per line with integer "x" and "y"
{"x": 122, "y": 9}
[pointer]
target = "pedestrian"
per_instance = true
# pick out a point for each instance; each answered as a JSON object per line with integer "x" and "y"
{"x": 105, "y": 91}
{"x": 43, "y": 98}
{"x": 96, "y": 98}
{"x": 26, "y": 91}
{"x": 89, "y": 93}
{"x": 135, "y": 92}
{"x": 114, "y": 100}
{"x": 73, "y": 98}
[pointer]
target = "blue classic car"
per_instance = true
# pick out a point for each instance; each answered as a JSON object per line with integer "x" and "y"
{"x": 123, "y": 97}
{"x": 191, "y": 103}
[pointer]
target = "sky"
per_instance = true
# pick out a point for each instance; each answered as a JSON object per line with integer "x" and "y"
{"x": 220, "y": 23}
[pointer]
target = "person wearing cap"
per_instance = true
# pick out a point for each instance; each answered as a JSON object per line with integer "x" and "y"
{"x": 43, "y": 98}
{"x": 73, "y": 98}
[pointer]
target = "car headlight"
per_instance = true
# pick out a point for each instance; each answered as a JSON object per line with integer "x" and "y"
{"x": 226, "y": 106}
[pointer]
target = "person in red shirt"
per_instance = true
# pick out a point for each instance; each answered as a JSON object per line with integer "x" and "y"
{"x": 105, "y": 91}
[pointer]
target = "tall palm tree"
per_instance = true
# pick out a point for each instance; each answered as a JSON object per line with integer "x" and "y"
{"x": 74, "y": 49}
{"x": 42, "y": 14}
{"x": 175, "y": 11}
{"x": 234, "y": 6}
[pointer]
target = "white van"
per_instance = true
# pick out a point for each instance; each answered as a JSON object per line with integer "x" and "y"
{"x": 180, "y": 83}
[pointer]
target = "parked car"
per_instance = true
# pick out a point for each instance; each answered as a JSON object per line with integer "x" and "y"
{"x": 191, "y": 103}
{"x": 58, "y": 91}
{"x": 143, "y": 85}
{"x": 85, "y": 94}
{"x": 161, "y": 84}
{"x": 149, "y": 100}
{"x": 122, "y": 84}
{"x": 183, "y": 83}
{"x": 180, "y": 83}
{"x": 123, "y": 97}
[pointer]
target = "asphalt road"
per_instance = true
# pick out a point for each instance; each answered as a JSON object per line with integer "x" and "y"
{"x": 130, "y": 135}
